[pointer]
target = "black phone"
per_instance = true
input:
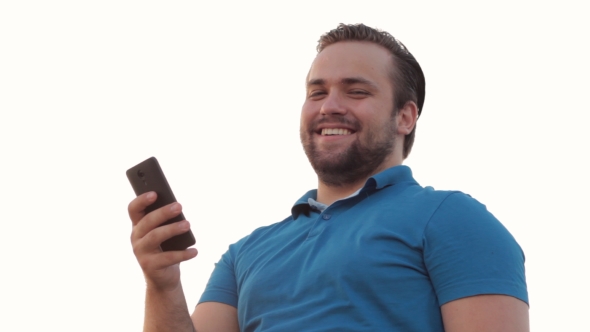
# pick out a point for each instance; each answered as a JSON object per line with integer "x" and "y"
{"x": 148, "y": 176}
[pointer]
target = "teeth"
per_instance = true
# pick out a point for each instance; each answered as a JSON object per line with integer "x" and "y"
{"x": 335, "y": 131}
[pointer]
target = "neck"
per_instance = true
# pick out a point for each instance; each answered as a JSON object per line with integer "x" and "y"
{"x": 328, "y": 194}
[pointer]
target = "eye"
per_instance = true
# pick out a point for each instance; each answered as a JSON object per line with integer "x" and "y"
{"x": 358, "y": 93}
{"x": 315, "y": 94}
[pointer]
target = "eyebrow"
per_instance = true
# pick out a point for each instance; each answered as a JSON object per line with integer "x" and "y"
{"x": 344, "y": 81}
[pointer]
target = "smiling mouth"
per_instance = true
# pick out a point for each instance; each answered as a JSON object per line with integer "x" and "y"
{"x": 335, "y": 131}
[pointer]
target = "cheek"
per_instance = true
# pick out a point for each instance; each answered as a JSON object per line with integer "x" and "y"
{"x": 306, "y": 114}
{"x": 378, "y": 113}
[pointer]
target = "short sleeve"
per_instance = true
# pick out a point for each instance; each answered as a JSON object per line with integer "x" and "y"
{"x": 222, "y": 285}
{"x": 468, "y": 252}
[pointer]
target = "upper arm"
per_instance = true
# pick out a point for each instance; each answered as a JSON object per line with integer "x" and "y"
{"x": 486, "y": 313}
{"x": 216, "y": 310}
{"x": 215, "y": 316}
{"x": 468, "y": 252}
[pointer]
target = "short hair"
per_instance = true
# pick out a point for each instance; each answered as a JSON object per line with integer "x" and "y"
{"x": 407, "y": 76}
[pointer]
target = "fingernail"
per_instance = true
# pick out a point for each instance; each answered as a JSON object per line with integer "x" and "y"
{"x": 150, "y": 196}
{"x": 184, "y": 225}
{"x": 175, "y": 208}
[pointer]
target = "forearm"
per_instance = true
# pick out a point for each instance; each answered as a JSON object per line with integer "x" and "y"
{"x": 166, "y": 310}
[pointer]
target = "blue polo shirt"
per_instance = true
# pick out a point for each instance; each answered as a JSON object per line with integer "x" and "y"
{"x": 385, "y": 259}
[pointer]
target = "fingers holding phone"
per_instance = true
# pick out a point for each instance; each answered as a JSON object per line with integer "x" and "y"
{"x": 159, "y": 267}
{"x": 160, "y": 235}
{"x": 137, "y": 207}
{"x": 155, "y": 219}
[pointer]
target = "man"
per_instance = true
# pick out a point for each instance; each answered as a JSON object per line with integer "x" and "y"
{"x": 370, "y": 249}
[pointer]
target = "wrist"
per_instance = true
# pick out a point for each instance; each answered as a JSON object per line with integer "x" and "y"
{"x": 158, "y": 287}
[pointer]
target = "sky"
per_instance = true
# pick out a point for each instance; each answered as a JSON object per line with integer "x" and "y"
{"x": 214, "y": 90}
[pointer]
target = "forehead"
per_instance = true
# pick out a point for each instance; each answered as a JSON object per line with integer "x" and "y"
{"x": 352, "y": 59}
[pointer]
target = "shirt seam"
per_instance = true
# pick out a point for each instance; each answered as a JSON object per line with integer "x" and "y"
{"x": 434, "y": 212}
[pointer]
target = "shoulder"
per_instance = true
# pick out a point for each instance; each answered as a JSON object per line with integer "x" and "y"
{"x": 416, "y": 203}
{"x": 459, "y": 218}
{"x": 263, "y": 233}
{"x": 438, "y": 206}
{"x": 460, "y": 213}
{"x": 469, "y": 252}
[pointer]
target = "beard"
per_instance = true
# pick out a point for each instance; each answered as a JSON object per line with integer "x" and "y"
{"x": 357, "y": 162}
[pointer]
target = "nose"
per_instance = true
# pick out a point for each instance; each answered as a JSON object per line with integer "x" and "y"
{"x": 333, "y": 104}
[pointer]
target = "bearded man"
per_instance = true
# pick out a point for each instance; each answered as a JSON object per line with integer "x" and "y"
{"x": 370, "y": 249}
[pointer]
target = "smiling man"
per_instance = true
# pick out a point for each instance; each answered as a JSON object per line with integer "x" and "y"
{"x": 369, "y": 249}
{"x": 349, "y": 122}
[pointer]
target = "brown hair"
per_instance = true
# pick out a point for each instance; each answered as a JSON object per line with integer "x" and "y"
{"x": 407, "y": 76}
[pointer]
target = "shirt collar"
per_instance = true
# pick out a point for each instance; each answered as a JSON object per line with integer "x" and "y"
{"x": 386, "y": 178}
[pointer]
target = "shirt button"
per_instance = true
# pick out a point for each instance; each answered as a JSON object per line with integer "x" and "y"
{"x": 326, "y": 217}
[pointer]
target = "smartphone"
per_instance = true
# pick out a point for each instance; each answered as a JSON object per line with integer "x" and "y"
{"x": 148, "y": 176}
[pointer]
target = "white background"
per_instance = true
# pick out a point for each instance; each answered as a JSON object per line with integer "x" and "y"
{"x": 213, "y": 90}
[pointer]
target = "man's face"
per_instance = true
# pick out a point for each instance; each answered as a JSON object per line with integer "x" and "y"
{"x": 347, "y": 123}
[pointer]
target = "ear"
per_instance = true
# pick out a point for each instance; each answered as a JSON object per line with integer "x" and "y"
{"x": 406, "y": 118}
